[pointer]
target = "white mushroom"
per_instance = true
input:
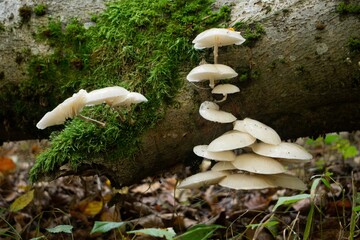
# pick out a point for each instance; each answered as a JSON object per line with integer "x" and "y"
{"x": 243, "y": 181}
{"x": 225, "y": 89}
{"x": 217, "y": 37}
{"x": 258, "y": 164}
{"x": 106, "y": 95}
{"x": 261, "y": 131}
{"x": 201, "y": 151}
{"x": 202, "y": 179}
{"x": 239, "y": 126}
{"x": 288, "y": 181}
{"x": 223, "y": 166}
{"x": 231, "y": 140}
{"x": 67, "y": 109}
{"x": 283, "y": 150}
{"x": 211, "y": 72}
{"x": 131, "y": 98}
{"x": 210, "y": 111}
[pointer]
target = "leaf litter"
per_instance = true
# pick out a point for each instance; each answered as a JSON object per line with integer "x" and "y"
{"x": 83, "y": 208}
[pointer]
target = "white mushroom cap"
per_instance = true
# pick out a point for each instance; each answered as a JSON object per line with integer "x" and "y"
{"x": 239, "y": 126}
{"x": 247, "y": 182}
{"x": 107, "y": 94}
{"x": 231, "y": 140}
{"x": 202, "y": 179}
{"x": 217, "y": 36}
{"x": 210, "y": 72}
{"x": 210, "y": 111}
{"x": 131, "y": 98}
{"x": 225, "y": 89}
{"x": 283, "y": 150}
{"x": 288, "y": 181}
{"x": 258, "y": 164}
{"x": 223, "y": 166}
{"x": 201, "y": 151}
{"x": 67, "y": 109}
{"x": 261, "y": 131}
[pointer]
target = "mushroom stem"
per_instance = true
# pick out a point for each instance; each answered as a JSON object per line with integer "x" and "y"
{"x": 212, "y": 83}
{"x": 87, "y": 119}
{"x": 222, "y": 100}
{"x": 216, "y": 54}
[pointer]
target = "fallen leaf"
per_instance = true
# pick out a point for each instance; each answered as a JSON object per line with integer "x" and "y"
{"x": 22, "y": 201}
{"x": 7, "y": 165}
{"x": 93, "y": 208}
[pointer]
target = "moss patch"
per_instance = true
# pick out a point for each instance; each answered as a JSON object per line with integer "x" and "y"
{"x": 252, "y": 32}
{"x": 348, "y": 8}
{"x": 25, "y": 12}
{"x": 354, "y": 45}
{"x": 137, "y": 44}
{"x": 40, "y": 10}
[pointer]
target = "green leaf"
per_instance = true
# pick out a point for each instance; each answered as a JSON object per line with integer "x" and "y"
{"x": 167, "y": 233}
{"x": 331, "y": 138}
{"x": 22, "y": 201}
{"x": 103, "y": 226}
{"x": 350, "y": 152}
{"x": 356, "y": 209}
{"x": 60, "y": 228}
{"x": 199, "y": 232}
{"x": 289, "y": 200}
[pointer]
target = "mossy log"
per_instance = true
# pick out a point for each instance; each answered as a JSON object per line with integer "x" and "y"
{"x": 301, "y": 78}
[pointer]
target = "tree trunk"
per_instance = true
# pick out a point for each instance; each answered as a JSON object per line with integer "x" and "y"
{"x": 302, "y": 80}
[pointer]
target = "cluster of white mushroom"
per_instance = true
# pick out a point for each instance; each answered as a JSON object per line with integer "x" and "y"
{"x": 251, "y": 155}
{"x": 113, "y": 96}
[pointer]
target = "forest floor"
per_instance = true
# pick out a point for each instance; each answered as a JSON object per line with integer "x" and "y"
{"x": 74, "y": 207}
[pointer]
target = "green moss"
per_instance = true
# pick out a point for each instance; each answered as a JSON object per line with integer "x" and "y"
{"x": 40, "y": 10}
{"x": 25, "y": 12}
{"x": 2, "y": 27}
{"x": 348, "y": 8}
{"x": 137, "y": 44}
{"x": 354, "y": 45}
{"x": 252, "y": 32}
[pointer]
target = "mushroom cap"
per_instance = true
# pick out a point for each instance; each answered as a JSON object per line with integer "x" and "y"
{"x": 201, "y": 151}
{"x": 217, "y": 36}
{"x": 239, "y": 126}
{"x": 288, "y": 181}
{"x": 67, "y": 109}
{"x": 107, "y": 94}
{"x": 225, "y": 89}
{"x": 258, "y": 164}
{"x": 210, "y": 111}
{"x": 131, "y": 98}
{"x": 231, "y": 140}
{"x": 202, "y": 179}
{"x": 282, "y": 150}
{"x": 261, "y": 131}
{"x": 243, "y": 181}
{"x": 223, "y": 166}
{"x": 210, "y": 71}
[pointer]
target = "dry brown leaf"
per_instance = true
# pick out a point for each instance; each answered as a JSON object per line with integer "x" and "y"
{"x": 7, "y": 165}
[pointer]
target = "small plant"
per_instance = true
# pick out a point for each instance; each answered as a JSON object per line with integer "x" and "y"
{"x": 40, "y": 10}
